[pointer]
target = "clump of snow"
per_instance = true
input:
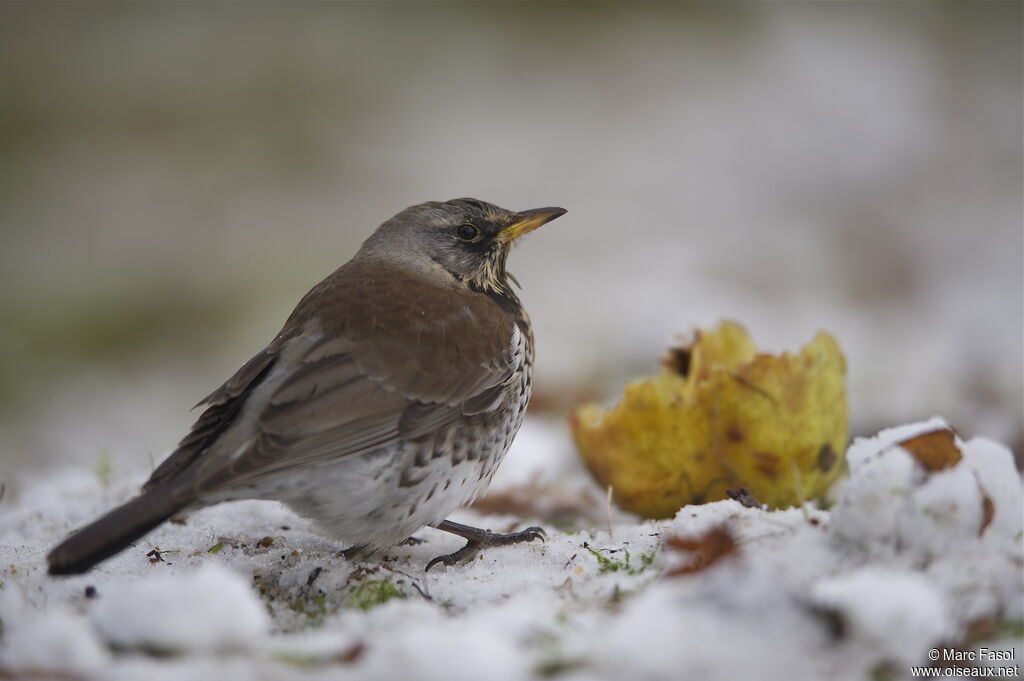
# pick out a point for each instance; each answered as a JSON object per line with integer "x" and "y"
{"x": 42, "y": 642}
{"x": 890, "y": 505}
{"x": 992, "y": 466}
{"x": 206, "y": 610}
{"x": 905, "y": 560}
{"x": 688, "y": 629}
{"x": 455, "y": 648}
{"x": 869, "y": 503}
{"x": 893, "y": 615}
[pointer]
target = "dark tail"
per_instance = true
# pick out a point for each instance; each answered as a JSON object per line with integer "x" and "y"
{"x": 110, "y": 534}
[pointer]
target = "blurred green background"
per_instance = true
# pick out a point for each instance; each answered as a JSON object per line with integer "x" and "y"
{"x": 174, "y": 176}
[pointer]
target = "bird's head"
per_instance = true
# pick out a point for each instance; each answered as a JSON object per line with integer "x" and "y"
{"x": 467, "y": 238}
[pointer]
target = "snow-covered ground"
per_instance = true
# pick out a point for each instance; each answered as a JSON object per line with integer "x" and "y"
{"x": 904, "y": 563}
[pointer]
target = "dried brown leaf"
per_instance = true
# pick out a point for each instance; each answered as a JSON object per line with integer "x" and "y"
{"x": 704, "y": 550}
{"x": 935, "y": 450}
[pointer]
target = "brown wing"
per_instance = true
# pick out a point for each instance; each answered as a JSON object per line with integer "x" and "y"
{"x": 224, "y": 405}
{"x": 428, "y": 342}
{"x": 365, "y": 359}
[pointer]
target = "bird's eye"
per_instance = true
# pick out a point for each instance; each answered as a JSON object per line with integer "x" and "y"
{"x": 467, "y": 233}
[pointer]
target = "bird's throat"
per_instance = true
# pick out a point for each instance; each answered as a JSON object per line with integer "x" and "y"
{"x": 493, "y": 280}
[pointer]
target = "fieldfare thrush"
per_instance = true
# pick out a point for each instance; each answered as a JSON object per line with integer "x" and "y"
{"x": 386, "y": 402}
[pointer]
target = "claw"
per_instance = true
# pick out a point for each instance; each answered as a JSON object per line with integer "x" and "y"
{"x": 449, "y": 559}
{"x": 477, "y": 539}
{"x": 536, "y": 532}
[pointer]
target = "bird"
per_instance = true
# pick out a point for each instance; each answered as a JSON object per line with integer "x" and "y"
{"x": 387, "y": 401}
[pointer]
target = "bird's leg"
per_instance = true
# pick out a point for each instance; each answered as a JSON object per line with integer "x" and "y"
{"x": 477, "y": 539}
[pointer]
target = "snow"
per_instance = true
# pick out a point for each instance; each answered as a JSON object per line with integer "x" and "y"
{"x": 901, "y": 563}
{"x": 230, "y": 611}
{"x": 895, "y": 615}
{"x": 1000, "y": 480}
{"x": 52, "y": 640}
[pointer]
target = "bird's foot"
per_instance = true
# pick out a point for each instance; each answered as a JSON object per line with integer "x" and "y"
{"x": 477, "y": 539}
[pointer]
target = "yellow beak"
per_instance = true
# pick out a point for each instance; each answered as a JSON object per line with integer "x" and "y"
{"x": 528, "y": 221}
